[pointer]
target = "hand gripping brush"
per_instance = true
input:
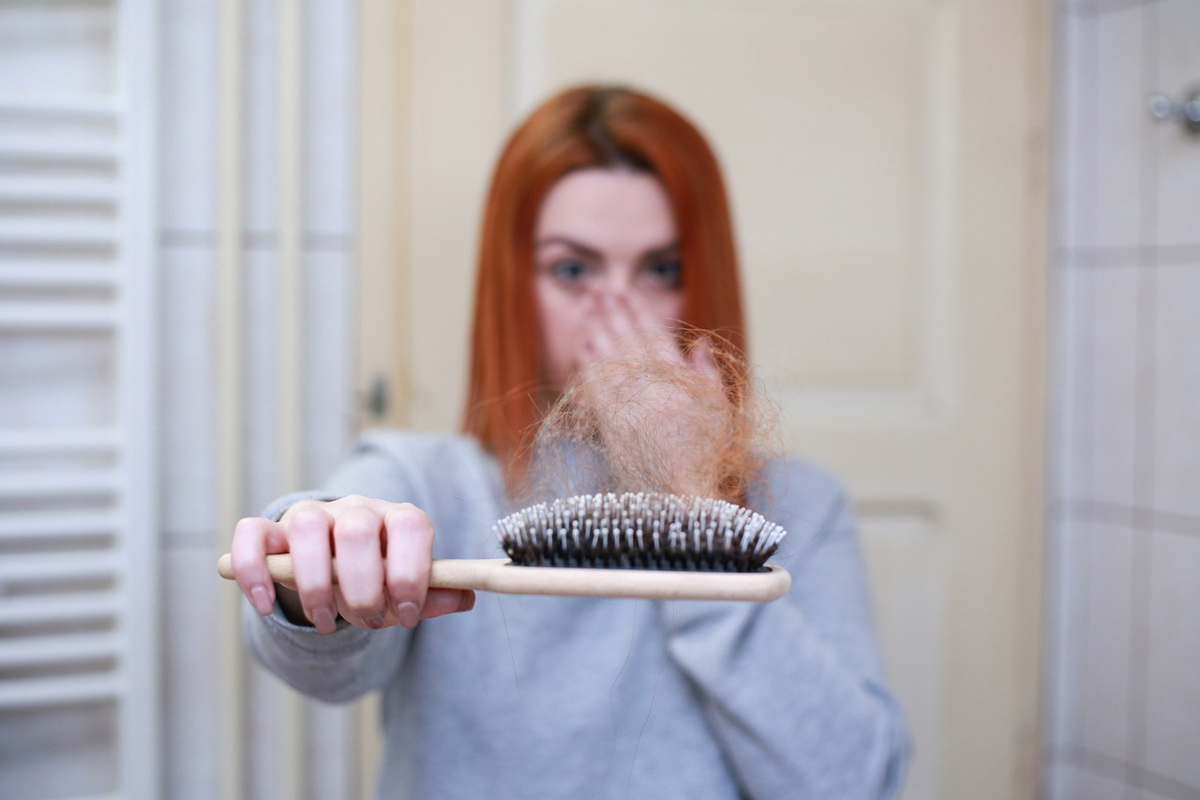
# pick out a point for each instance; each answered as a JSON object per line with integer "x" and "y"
{"x": 644, "y": 545}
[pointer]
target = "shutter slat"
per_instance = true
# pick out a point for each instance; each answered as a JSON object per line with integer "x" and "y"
{"x": 66, "y": 232}
{"x": 59, "y": 484}
{"x": 75, "y": 648}
{"x": 79, "y": 606}
{"x": 28, "y": 189}
{"x": 59, "y": 440}
{"x": 74, "y": 274}
{"x": 58, "y": 566}
{"x": 63, "y": 106}
{"x": 85, "y": 150}
{"x": 58, "y": 316}
{"x": 36, "y": 692}
{"x": 31, "y": 525}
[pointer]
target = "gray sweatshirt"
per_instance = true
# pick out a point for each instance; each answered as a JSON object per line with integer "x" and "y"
{"x": 546, "y": 697}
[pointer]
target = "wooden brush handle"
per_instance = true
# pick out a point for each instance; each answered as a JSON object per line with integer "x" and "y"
{"x": 498, "y": 575}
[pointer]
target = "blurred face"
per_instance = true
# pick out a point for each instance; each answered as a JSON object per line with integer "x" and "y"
{"x": 606, "y": 259}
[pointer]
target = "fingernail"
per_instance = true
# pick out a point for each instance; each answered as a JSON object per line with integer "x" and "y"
{"x": 261, "y": 599}
{"x": 408, "y": 614}
{"x": 324, "y": 619}
{"x": 375, "y": 622}
{"x": 468, "y": 601}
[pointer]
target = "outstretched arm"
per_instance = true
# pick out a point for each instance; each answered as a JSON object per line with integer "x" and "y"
{"x": 361, "y": 566}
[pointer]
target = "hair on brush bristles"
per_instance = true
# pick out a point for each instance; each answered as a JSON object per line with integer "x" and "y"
{"x": 639, "y": 531}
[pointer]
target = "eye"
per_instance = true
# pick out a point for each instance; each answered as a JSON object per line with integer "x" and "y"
{"x": 666, "y": 272}
{"x": 569, "y": 271}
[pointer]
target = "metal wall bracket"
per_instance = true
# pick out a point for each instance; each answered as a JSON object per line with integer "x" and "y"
{"x": 1187, "y": 110}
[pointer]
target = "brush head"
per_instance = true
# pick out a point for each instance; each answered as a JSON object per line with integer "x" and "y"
{"x": 640, "y": 531}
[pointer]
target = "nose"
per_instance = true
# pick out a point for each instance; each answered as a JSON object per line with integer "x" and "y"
{"x": 615, "y": 284}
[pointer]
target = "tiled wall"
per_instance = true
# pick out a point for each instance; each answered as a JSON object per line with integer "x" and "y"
{"x": 1124, "y": 564}
{"x": 188, "y": 265}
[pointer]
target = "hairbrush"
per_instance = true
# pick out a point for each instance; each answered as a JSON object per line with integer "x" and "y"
{"x": 643, "y": 545}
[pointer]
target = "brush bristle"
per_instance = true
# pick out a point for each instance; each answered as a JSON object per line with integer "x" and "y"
{"x": 640, "y": 531}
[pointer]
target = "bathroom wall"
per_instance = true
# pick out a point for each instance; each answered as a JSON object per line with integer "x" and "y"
{"x": 1123, "y": 692}
{"x": 256, "y": 749}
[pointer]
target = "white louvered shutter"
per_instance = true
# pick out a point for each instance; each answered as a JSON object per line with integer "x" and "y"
{"x": 78, "y": 539}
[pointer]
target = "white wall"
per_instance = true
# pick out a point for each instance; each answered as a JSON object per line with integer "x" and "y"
{"x": 197, "y": 632}
{"x": 1124, "y": 710}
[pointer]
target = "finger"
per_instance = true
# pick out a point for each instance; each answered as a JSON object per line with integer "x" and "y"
{"x": 700, "y": 358}
{"x": 409, "y": 556}
{"x": 598, "y": 347}
{"x": 350, "y": 501}
{"x": 587, "y": 355}
{"x": 253, "y": 539}
{"x": 653, "y": 335}
{"x": 358, "y": 545}
{"x": 373, "y": 622}
{"x": 620, "y": 325}
{"x": 309, "y": 531}
{"x": 447, "y": 601}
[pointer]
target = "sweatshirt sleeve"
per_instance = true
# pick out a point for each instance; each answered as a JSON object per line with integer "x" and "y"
{"x": 794, "y": 689}
{"x": 351, "y": 661}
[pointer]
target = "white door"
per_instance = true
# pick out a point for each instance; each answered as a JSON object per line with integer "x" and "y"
{"x": 885, "y": 166}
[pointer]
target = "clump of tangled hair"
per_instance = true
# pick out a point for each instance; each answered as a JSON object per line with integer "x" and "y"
{"x": 645, "y": 424}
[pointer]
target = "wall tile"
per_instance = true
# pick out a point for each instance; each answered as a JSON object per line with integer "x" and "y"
{"x": 329, "y": 114}
{"x": 329, "y": 400}
{"x": 1173, "y": 681}
{"x": 332, "y": 731}
{"x": 186, "y": 376}
{"x": 1071, "y": 376}
{"x": 1074, "y": 164}
{"x": 1104, "y": 680}
{"x": 1114, "y": 335}
{"x": 261, "y": 125}
{"x": 1068, "y": 632}
{"x": 1119, "y": 121}
{"x": 1177, "y": 389}
{"x": 1075, "y": 205}
{"x": 260, "y": 389}
{"x": 270, "y": 705}
{"x": 188, "y": 113}
{"x": 1070, "y": 782}
{"x": 1113, "y": 55}
{"x": 190, "y": 674}
{"x": 1178, "y": 175}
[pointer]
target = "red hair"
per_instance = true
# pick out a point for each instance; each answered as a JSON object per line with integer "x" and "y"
{"x": 580, "y": 128}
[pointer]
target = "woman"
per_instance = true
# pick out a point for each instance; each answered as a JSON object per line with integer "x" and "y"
{"x": 606, "y": 235}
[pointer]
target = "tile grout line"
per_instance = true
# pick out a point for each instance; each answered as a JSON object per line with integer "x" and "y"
{"x": 1083, "y": 509}
{"x": 1127, "y": 256}
{"x": 1110, "y": 767}
{"x": 1098, "y": 7}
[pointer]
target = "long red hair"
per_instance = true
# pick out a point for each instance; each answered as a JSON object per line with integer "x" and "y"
{"x": 587, "y": 127}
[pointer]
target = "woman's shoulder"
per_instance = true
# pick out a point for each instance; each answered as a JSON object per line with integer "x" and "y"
{"x": 423, "y": 447}
{"x": 419, "y": 467}
{"x": 802, "y": 496}
{"x": 796, "y": 478}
